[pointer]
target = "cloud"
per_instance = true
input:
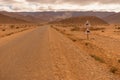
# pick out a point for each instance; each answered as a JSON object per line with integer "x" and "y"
{"x": 78, "y": 2}
{"x": 16, "y": 5}
{"x": 56, "y": 5}
{"x": 5, "y": 8}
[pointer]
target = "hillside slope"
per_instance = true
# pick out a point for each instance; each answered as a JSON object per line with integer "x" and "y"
{"x": 10, "y": 20}
{"x": 82, "y": 20}
{"x": 113, "y": 19}
{"x": 43, "y": 17}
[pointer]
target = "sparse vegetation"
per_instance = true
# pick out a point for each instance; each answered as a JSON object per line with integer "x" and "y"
{"x": 17, "y": 27}
{"x": 119, "y": 60}
{"x": 51, "y": 26}
{"x": 97, "y": 28}
{"x": 97, "y": 58}
{"x": 86, "y": 44}
{"x": 75, "y": 29}
{"x": 74, "y": 40}
{"x": 3, "y": 29}
{"x": 117, "y": 27}
{"x": 10, "y": 29}
{"x": 102, "y": 31}
{"x": 12, "y": 26}
{"x": 91, "y": 46}
{"x": 113, "y": 70}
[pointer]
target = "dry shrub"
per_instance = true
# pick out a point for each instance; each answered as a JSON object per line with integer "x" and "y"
{"x": 51, "y": 26}
{"x": 17, "y": 27}
{"x": 113, "y": 70}
{"x": 119, "y": 61}
{"x": 3, "y": 29}
{"x": 74, "y": 40}
{"x": 86, "y": 44}
{"x": 75, "y": 29}
{"x": 97, "y": 58}
{"x": 96, "y": 28}
{"x": 12, "y": 26}
{"x": 102, "y": 31}
{"x": 117, "y": 28}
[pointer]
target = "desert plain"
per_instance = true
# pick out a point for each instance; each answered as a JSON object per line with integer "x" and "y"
{"x": 59, "y": 49}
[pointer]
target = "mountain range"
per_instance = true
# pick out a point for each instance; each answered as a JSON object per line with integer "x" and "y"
{"x": 44, "y": 17}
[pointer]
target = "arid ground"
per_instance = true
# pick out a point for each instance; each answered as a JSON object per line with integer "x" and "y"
{"x": 102, "y": 46}
{"x": 54, "y": 46}
{"x": 59, "y": 53}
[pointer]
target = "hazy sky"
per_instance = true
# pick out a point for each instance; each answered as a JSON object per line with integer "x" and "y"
{"x": 60, "y": 5}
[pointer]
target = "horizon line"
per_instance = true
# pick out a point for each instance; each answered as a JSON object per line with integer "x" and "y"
{"x": 61, "y": 11}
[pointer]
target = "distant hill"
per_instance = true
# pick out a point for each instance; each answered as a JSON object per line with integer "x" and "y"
{"x": 82, "y": 20}
{"x": 48, "y": 16}
{"x": 113, "y": 19}
{"x": 10, "y": 20}
{"x": 91, "y": 13}
{"x": 37, "y": 17}
{"x": 72, "y": 13}
{"x": 52, "y": 16}
{"x": 17, "y": 15}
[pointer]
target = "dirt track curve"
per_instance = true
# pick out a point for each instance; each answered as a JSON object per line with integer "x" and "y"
{"x": 45, "y": 54}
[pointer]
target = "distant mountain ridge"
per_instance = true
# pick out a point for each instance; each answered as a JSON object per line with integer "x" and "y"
{"x": 44, "y": 17}
{"x": 113, "y": 19}
{"x": 10, "y": 20}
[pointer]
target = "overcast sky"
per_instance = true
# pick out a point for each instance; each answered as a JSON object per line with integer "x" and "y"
{"x": 59, "y": 5}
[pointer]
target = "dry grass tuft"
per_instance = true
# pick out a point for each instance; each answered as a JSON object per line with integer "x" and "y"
{"x": 113, "y": 70}
{"x": 97, "y": 58}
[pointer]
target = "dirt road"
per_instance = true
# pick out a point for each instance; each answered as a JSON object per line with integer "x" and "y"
{"x": 26, "y": 57}
{"x": 45, "y": 54}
